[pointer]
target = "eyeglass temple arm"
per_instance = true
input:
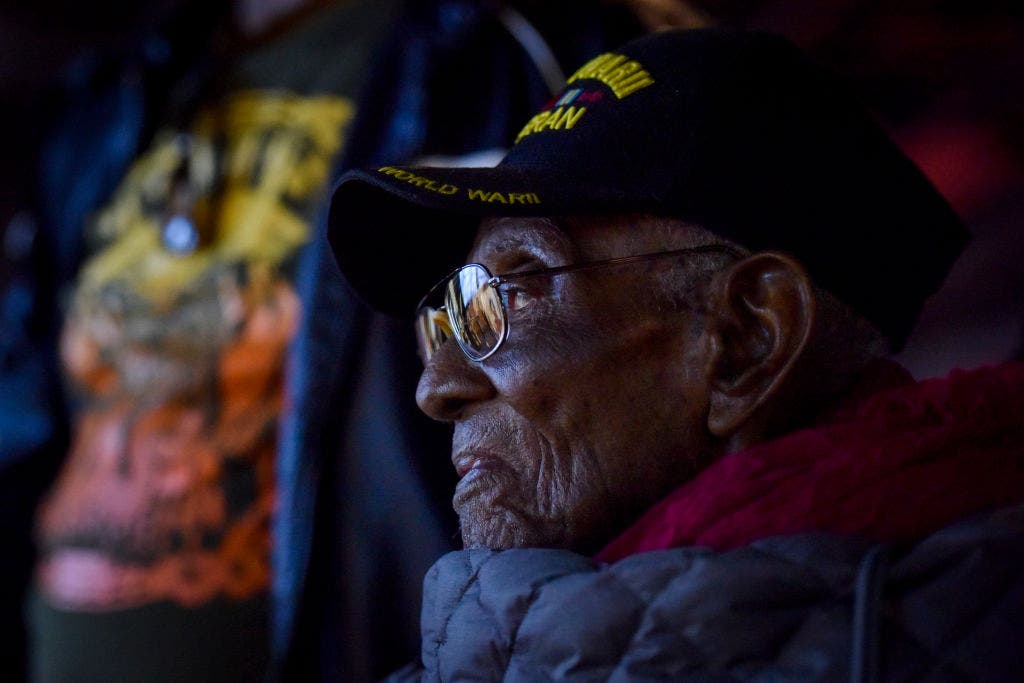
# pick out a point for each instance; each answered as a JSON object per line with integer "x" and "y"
{"x": 703, "y": 249}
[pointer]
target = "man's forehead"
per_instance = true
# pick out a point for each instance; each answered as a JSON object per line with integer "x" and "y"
{"x": 538, "y": 235}
{"x": 590, "y": 236}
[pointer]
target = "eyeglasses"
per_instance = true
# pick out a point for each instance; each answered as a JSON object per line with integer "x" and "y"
{"x": 470, "y": 306}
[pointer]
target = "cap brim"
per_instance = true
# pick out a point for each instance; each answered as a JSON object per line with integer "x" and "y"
{"x": 397, "y": 230}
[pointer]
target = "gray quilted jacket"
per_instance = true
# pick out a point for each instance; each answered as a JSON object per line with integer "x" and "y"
{"x": 797, "y": 608}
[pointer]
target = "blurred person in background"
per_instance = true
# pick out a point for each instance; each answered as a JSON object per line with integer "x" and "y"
{"x": 154, "y": 539}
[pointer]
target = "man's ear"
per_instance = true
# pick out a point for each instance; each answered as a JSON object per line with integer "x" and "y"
{"x": 761, "y": 314}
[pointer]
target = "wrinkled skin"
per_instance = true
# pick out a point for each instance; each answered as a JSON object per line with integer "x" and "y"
{"x": 593, "y": 409}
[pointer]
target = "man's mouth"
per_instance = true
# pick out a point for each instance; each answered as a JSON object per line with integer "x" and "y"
{"x": 479, "y": 474}
{"x": 473, "y": 461}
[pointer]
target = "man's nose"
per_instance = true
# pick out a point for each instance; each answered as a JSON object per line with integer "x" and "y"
{"x": 450, "y": 383}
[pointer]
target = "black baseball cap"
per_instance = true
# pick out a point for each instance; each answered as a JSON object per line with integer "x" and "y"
{"x": 740, "y": 133}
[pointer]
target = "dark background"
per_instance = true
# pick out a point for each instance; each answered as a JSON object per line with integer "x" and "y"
{"x": 947, "y": 80}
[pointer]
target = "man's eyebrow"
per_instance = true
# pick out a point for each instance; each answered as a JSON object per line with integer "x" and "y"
{"x": 506, "y": 244}
{"x": 533, "y": 238}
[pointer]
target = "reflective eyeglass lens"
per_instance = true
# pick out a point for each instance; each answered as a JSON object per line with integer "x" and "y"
{"x": 432, "y": 328}
{"x": 475, "y": 310}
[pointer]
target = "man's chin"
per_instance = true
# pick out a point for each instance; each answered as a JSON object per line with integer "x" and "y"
{"x": 499, "y": 529}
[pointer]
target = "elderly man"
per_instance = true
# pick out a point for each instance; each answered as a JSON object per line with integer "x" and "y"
{"x": 681, "y": 452}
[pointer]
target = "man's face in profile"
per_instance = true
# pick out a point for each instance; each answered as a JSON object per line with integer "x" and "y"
{"x": 592, "y": 409}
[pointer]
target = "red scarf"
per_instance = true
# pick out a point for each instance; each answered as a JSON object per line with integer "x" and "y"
{"x": 894, "y": 467}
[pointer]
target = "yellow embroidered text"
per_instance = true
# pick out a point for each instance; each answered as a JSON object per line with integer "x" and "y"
{"x": 624, "y": 77}
{"x": 418, "y": 181}
{"x": 504, "y": 197}
{"x": 562, "y": 118}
